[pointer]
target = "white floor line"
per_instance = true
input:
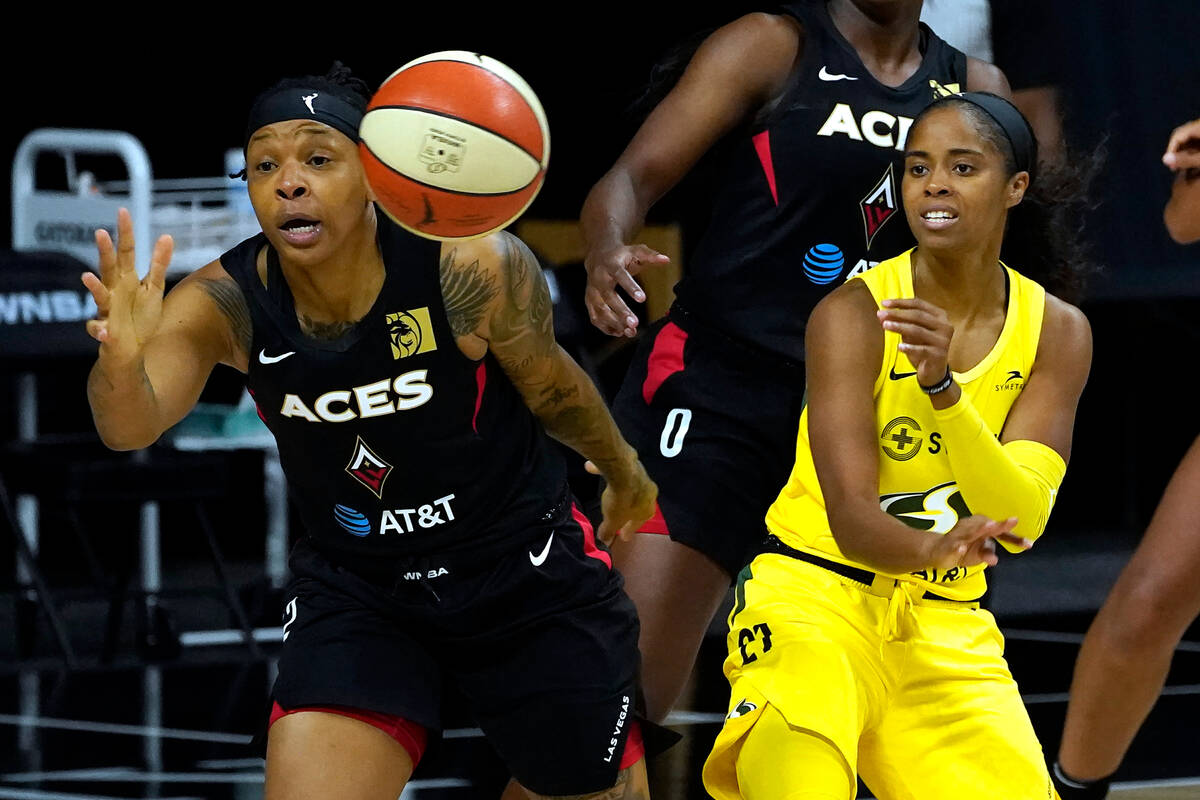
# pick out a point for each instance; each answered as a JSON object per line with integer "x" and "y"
{"x": 9, "y": 793}
{"x": 132, "y": 730}
{"x": 1165, "y": 783}
{"x": 1027, "y": 635}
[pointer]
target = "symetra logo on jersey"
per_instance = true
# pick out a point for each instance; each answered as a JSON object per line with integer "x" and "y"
{"x": 376, "y": 399}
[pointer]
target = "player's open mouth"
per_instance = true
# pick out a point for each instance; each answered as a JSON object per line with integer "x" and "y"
{"x": 300, "y": 231}
{"x": 937, "y": 219}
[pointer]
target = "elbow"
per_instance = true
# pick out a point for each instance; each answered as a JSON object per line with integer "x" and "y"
{"x": 1182, "y": 228}
{"x": 846, "y": 534}
{"x": 123, "y": 441}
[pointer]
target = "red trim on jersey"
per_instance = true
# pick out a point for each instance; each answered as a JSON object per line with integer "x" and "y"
{"x": 635, "y": 747}
{"x": 480, "y": 382}
{"x": 256, "y": 406}
{"x": 666, "y": 358}
{"x": 589, "y": 538}
{"x": 411, "y": 736}
{"x": 656, "y": 524}
{"x": 762, "y": 146}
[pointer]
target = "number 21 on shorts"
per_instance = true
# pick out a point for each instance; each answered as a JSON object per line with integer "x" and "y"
{"x": 676, "y": 427}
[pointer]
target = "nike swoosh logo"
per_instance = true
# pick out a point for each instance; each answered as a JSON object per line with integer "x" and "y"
{"x": 899, "y": 375}
{"x": 263, "y": 358}
{"x": 826, "y": 75}
{"x": 540, "y": 558}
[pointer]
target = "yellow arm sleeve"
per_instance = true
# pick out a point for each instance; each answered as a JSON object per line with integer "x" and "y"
{"x": 1018, "y": 479}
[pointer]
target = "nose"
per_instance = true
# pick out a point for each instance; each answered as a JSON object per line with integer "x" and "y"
{"x": 291, "y": 185}
{"x": 937, "y": 185}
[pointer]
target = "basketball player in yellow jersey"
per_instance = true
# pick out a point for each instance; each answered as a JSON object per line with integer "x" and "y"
{"x": 942, "y": 388}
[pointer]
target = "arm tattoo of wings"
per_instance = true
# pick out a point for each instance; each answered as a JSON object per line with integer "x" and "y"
{"x": 466, "y": 292}
{"x": 523, "y": 328}
{"x": 232, "y": 303}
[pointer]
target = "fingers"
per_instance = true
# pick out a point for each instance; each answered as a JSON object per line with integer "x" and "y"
{"x": 98, "y": 329}
{"x": 605, "y": 531}
{"x": 108, "y": 256}
{"x": 99, "y": 292}
{"x": 588, "y": 466}
{"x": 1183, "y": 160}
{"x": 626, "y": 282}
{"x": 601, "y": 315}
{"x": 125, "y": 243}
{"x": 160, "y": 259}
{"x": 1186, "y": 136}
{"x": 1016, "y": 541}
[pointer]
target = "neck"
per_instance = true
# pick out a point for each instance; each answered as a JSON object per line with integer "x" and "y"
{"x": 885, "y": 38}
{"x": 965, "y": 285}
{"x": 343, "y": 287}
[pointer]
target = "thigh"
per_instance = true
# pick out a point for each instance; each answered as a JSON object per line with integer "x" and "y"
{"x": 341, "y": 648}
{"x": 807, "y": 645}
{"x": 555, "y": 688}
{"x": 317, "y": 755}
{"x": 956, "y": 724}
{"x": 781, "y": 762}
{"x": 630, "y": 784}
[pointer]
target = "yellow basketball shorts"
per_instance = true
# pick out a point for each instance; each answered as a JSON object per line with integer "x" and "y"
{"x": 913, "y": 693}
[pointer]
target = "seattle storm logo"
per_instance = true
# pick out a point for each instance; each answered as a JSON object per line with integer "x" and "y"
{"x": 410, "y": 332}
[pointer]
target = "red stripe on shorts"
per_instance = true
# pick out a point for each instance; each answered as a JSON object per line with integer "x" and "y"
{"x": 411, "y": 736}
{"x": 656, "y": 524}
{"x": 589, "y": 538}
{"x": 635, "y": 746}
{"x": 666, "y": 358}
{"x": 480, "y": 382}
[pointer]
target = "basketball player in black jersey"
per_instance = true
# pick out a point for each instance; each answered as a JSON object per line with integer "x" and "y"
{"x": 807, "y": 111}
{"x": 410, "y": 386}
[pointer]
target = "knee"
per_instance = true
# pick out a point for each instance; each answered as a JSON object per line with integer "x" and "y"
{"x": 1144, "y": 614}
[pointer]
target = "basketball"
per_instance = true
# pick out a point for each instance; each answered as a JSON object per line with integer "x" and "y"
{"x": 455, "y": 145}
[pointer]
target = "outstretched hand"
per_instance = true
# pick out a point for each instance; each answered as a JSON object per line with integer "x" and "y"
{"x": 625, "y": 507}
{"x": 608, "y": 270}
{"x": 128, "y": 308}
{"x": 972, "y": 541}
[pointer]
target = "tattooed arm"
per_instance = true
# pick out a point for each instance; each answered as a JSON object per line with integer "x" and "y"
{"x": 496, "y": 299}
{"x": 144, "y": 382}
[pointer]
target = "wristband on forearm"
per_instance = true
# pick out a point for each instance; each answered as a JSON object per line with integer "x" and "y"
{"x": 940, "y": 386}
{"x": 1072, "y": 789}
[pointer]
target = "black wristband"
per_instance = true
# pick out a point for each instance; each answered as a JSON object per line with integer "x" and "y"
{"x": 1072, "y": 789}
{"x": 940, "y": 386}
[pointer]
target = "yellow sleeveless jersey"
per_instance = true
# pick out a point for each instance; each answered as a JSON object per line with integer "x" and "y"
{"x": 916, "y": 484}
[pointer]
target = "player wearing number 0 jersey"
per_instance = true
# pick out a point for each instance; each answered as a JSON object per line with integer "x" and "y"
{"x": 942, "y": 388}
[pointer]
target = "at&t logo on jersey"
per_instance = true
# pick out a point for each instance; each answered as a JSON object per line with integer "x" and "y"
{"x": 396, "y": 520}
{"x": 937, "y": 510}
{"x": 823, "y": 263}
{"x": 376, "y": 399}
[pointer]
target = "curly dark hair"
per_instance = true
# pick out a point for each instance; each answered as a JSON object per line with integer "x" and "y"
{"x": 1044, "y": 238}
{"x": 339, "y": 81}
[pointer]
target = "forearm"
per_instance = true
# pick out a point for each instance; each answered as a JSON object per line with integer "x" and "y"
{"x": 612, "y": 213}
{"x": 573, "y": 412}
{"x": 869, "y": 536}
{"x": 124, "y": 406}
{"x": 1019, "y": 479}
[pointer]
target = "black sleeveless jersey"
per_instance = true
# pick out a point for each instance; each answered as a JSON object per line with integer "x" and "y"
{"x": 809, "y": 194}
{"x": 393, "y": 442}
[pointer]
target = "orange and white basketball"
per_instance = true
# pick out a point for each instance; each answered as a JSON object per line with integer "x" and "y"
{"x": 455, "y": 145}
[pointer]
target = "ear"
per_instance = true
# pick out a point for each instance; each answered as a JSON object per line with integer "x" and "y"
{"x": 1016, "y": 188}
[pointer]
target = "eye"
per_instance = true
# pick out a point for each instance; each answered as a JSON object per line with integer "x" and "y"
{"x": 263, "y": 167}
{"x": 963, "y": 169}
{"x": 917, "y": 170}
{"x": 319, "y": 161}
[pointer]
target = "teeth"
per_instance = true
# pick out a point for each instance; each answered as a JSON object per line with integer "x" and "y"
{"x": 938, "y": 215}
{"x": 303, "y": 229}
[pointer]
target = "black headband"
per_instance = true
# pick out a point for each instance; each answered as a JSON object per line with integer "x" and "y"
{"x": 1016, "y": 128}
{"x": 316, "y": 104}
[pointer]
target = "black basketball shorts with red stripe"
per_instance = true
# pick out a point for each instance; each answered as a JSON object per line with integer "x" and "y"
{"x": 714, "y": 422}
{"x": 539, "y": 639}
